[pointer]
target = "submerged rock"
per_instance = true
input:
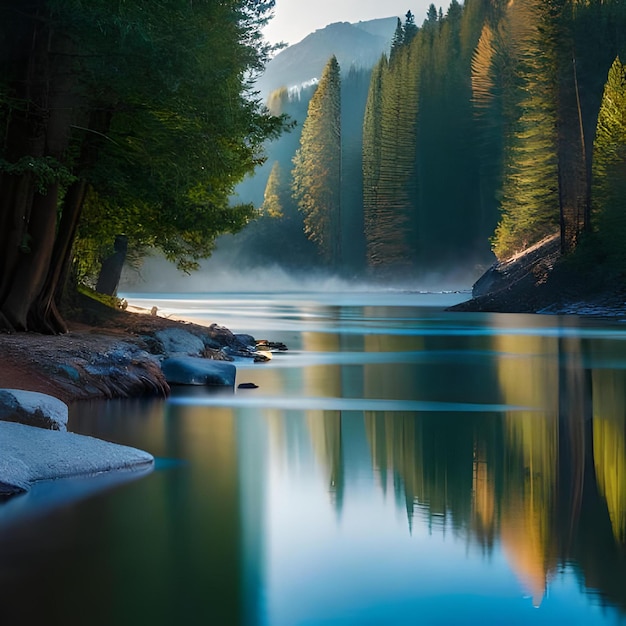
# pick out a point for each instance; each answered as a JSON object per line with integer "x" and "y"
{"x": 33, "y": 409}
{"x": 198, "y": 371}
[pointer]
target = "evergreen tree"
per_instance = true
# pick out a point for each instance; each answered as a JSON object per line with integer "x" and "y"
{"x": 489, "y": 76}
{"x": 431, "y": 15}
{"x": 559, "y": 49}
{"x": 372, "y": 130}
{"x": 530, "y": 195}
{"x": 273, "y": 203}
{"x": 317, "y": 166}
{"x": 354, "y": 91}
{"x": 410, "y": 29}
{"x": 398, "y": 39}
{"x": 389, "y": 144}
{"x": 452, "y": 222}
{"x": 609, "y": 171}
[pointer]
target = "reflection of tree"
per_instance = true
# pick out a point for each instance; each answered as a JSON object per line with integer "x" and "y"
{"x": 484, "y": 505}
{"x": 609, "y": 444}
{"x": 325, "y": 431}
{"x": 431, "y": 459}
{"x": 535, "y": 479}
{"x": 547, "y": 483}
{"x": 325, "y": 426}
{"x": 527, "y": 502}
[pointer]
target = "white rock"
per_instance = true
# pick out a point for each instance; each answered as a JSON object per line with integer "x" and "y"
{"x": 33, "y": 408}
{"x": 30, "y": 454}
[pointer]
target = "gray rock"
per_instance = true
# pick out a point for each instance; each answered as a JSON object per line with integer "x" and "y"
{"x": 247, "y": 341}
{"x": 179, "y": 341}
{"x": 197, "y": 371}
{"x": 33, "y": 409}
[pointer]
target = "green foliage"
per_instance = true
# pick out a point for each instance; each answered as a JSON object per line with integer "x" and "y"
{"x": 44, "y": 170}
{"x": 410, "y": 29}
{"x": 530, "y": 195}
{"x": 422, "y": 198}
{"x": 317, "y": 166}
{"x": 610, "y": 168}
{"x": 165, "y": 122}
{"x": 273, "y": 201}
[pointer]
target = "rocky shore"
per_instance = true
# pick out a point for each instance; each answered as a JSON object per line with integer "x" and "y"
{"x": 108, "y": 353}
{"x": 112, "y": 354}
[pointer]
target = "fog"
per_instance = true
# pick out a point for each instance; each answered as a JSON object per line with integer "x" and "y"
{"x": 220, "y": 274}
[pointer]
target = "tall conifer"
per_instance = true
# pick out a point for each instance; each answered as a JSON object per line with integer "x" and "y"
{"x": 610, "y": 166}
{"x": 317, "y": 166}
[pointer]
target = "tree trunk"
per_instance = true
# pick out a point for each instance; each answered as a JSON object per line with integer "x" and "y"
{"x": 574, "y": 181}
{"x": 32, "y": 254}
{"x": 44, "y": 313}
{"x": 32, "y": 266}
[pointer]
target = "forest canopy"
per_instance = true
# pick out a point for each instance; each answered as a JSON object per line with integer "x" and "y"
{"x": 121, "y": 118}
{"x": 486, "y": 129}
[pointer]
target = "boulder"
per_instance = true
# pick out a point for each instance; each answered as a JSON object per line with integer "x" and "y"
{"x": 179, "y": 341}
{"x": 31, "y": 454}
{"x": 197, "y": 371}
{"x": 33, "y": 409}
{"x": 246, "y": 341}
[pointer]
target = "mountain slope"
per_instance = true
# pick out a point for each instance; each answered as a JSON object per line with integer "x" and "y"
{"x": 359, "y": 44}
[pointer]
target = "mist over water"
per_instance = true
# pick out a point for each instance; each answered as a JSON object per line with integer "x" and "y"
{"x": 224, "y": 276}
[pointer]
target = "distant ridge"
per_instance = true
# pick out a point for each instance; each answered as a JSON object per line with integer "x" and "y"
{"x": 359, "y": 45}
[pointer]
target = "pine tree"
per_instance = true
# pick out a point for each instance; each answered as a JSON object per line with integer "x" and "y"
{"x": 431, "y": 15}
{"x": 452, "y": 223}
{"x": 410, "y": 29}
{"x": 317, "y": 166}
{"x": 610, "y": 167}
{"x": 372, "y": 129}
{"x": 530, "y": 194}
{"x": 398, "y": 39}
{"x": 273, "y": 205}
{"x": 390, "y": 184}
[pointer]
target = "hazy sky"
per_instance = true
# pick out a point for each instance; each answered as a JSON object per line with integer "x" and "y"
{"x": 295, "y": 19}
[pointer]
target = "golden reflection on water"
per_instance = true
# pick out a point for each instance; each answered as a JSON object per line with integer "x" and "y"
{"x": 609, "y": 444}
{"x": 519, "y": 479}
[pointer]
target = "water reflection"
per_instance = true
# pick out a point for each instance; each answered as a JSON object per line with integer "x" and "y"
{"x": 546, "y": 487}
{"x": 456, "y": 476}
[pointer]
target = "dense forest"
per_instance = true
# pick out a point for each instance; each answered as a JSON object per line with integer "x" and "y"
{"x": 481, "y": 132}
{"x": 121, "y": 123}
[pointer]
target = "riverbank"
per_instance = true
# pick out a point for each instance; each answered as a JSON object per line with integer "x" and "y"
{"x": 107, "y": 353}
{"x": 540, "y": 281}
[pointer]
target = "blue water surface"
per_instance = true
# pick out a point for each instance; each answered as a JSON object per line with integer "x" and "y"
{"x": 400, "y": 464}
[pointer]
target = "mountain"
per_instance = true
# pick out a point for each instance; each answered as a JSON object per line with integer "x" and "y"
{"x": 359, "y": 45}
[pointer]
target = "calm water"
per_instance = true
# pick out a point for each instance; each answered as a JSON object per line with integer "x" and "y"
{"x": 399, "y": 465}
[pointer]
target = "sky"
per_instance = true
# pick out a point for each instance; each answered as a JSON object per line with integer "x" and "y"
{"x": 294, "y": 19}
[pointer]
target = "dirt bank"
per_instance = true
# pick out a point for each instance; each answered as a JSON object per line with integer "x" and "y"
{"x": 107, "y": 353}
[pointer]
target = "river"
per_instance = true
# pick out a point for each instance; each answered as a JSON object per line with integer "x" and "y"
{"x": 398, "y": 465}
